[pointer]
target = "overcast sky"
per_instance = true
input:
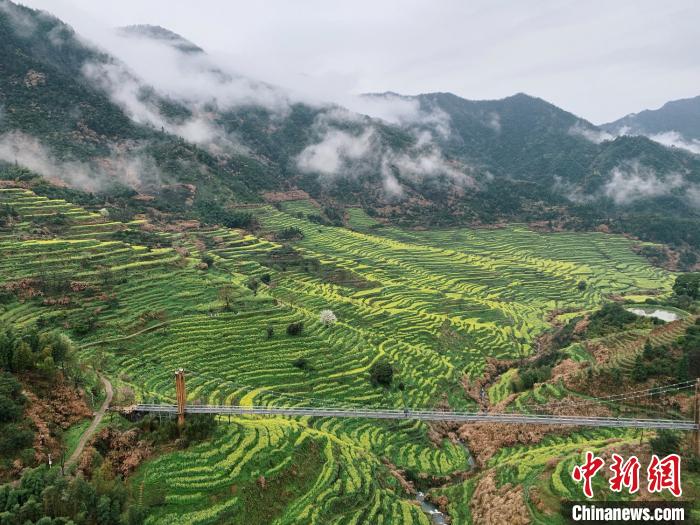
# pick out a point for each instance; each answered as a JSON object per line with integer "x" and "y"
{"x": 598, "y": 59}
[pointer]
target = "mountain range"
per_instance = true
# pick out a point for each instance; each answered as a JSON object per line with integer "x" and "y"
{"x": 678, "y": 118}
{"x": 168, "y": 130}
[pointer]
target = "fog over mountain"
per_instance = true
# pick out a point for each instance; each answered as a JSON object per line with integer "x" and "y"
{"x": 189, "y": 116}
{"x": 676, "y": 124}
{"x": 597, "y": 59}
{"x": 382, "y": 255}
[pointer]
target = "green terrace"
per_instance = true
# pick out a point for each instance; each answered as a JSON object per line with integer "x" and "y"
{"x": 436, "y": 305}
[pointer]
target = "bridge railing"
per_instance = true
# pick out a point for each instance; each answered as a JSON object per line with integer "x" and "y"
{"x": 427, "y": 415}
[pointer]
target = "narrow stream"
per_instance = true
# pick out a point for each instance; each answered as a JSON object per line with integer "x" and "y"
{"x": 437, "y": 517}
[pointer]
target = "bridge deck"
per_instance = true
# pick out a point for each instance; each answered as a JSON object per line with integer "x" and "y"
{"x": 427, "y": 415}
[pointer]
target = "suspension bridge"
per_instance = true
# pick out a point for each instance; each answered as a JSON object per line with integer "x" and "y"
{"x": 182, "y": 408}
{"x": 424, "y": 415}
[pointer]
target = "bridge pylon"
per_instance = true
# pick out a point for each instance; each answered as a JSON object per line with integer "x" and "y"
{"x": 181, "y": 396}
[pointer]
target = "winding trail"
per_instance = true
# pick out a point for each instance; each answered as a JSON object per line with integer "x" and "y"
{"x": 93, "y": 426}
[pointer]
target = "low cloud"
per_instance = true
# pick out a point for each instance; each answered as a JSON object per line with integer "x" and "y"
{"x": 693, "y": 194}
{"x": 416, "y": 165}
{"x": 127, "y": 166}
{"x": 676, "y": 140}
{"x": 194, "y": 78}
{"x": 571, "y": 191}
{"x": 632, "y": 181}
{"x": 191, "y": 79}
{"x": 494, "y": 121}
{"x": 22, "y": 23}
{"x": 591, "y": 134}
{"x": 136, "y": 99}
{"x": 350, "y": 146}
{"x": 401, "y": 111}
{"x": 671, "y": 139}
{"x": 336, "y": 152}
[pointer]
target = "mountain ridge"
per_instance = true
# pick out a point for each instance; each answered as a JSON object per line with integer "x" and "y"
{"x": 680, "y": 115}
{"x": 449, "y": 160}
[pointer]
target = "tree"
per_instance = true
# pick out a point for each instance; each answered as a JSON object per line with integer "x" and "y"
{"x": 290, "y": 233}
{"x": 14, "y": 438}
{"x": 22, "y": 357}
{"x": 687, "y": 259}
{"x": 581, "y": 286}
{"x": 687, "y": 284}
{"x": 226, "y": 296}
{"x": 253, "y": 284}
{"x": 639, "y": 371}
{"x": 295, "y": 328}
{"x": 265, "y": 278}
{"x": 47, "y": 367}
{"x": 11, "y": 399}
{"x": 381, "y": 373}
{"x": 302, "y": 364}
{"x": 106, "y": 275}
{"x": 666, "y": 442}
{"x": 270, "y": 331}
{"x": 104, "y": 511}
{"x": 616, "y": 374}
{"x": 125, "y": 396}
{"x": 60, "y": 345}
{"x": 9, "y": 409}
{"x": 327, "y": 317}
{"x": 6, "y": 347}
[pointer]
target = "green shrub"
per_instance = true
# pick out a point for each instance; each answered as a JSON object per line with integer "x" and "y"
{"x": 666, "y": 442}
{"x": 208, "y": 260}
{"x": 381, "y": 373}
{"x": 295, "y": 328}
{"x": 302, "y": 364}
{"x": 290, "y": 233}
{"x": 213, "y": 213}
{"x": 687, "y": 284}
{"x": 611, "y": 317}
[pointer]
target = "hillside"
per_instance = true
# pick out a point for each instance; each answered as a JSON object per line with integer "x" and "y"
{"x": 81, "y": 117}
{"x": 63, "y": 126}
{"x": 426, "y": 258}
{"x": 440, "y": 308}
{"x": 681, "y": 117}
{"x": 162, "y": 34}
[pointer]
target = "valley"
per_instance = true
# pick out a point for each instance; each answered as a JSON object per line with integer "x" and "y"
{"x": 438, "y": 306}
{"x": 410, "y": 307}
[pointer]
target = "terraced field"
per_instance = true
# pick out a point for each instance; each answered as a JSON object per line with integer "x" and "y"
{"x": 435, "y": 304}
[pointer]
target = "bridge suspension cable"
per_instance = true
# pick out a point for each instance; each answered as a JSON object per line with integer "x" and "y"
{"x": 426, "y": 415}
{"x": 635, "y": 394}
{"x": 309, "y": 400}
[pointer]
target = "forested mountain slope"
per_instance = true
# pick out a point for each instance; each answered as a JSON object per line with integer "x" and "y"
{"x": 81, "y": 117}
{"x": 680, "y": 116}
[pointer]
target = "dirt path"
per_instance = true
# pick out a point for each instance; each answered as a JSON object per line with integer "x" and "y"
{"x": 93, "y": 426}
